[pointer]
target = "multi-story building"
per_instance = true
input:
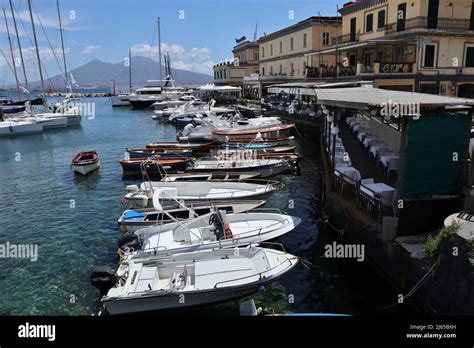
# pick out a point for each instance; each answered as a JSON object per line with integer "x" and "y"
{"x": 282, "y": 53}
{"x": 423, "y": 45}
{"x": 245, "y": 63}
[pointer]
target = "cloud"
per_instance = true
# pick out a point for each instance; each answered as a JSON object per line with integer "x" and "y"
{"x": 90, "y": 49}
{"x": 197, "y": 59}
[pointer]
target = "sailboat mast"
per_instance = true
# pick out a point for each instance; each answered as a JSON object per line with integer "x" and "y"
{"x": 11, "y": 52}
{"x": 19, "y": 45}
{"x": 36, "y": 46}
{"x": 62, "y": 45}
{"x": 130, "y": 69}
{"x": 159, "y": 49}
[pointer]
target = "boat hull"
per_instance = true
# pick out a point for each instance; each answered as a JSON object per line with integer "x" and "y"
{"x": 175, "y": 301}
{"x": 86, "y": 169}
{"x": 264, "y": 170}
{"x": 120, "y": 100}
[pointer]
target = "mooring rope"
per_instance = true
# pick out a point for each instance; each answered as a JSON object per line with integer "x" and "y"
{"x": 417, "y": 286}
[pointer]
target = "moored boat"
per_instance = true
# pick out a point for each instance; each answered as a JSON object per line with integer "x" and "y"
{"x": 160, "y": 153}
{"x": 214, "y": 230}
{"x": 203, "y": 278}
{"x": 172, "y": 216}
{"x": 168, "y": 193}
{"x": 85, "y": 162}
{"x": 153, "y": 166}
{"x": 266, "y": 167}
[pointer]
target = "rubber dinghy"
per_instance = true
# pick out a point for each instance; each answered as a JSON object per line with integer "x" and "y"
{"x": 200, "y": 278}
{"x": 211, "y": 231}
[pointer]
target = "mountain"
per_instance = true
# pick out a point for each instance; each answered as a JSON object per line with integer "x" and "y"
{"x": 101, "y": 73}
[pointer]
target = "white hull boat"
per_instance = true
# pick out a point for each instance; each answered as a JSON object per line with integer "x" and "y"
{"x": 168, "y": 193}
{"x": 132, "y": 220}
{"x": 19, "y": 127}
{"x": 266, "y": 167}
{"x": 121, "y": 100}
{"x": 215, "y": 230}
{"x": 200, "y": 278}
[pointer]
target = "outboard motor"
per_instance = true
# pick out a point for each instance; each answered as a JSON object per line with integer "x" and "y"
{"x": 129, "y": 242}
{"x": 103, "y": 278}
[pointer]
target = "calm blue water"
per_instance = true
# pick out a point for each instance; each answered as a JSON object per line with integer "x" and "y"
{"x": 73, "y": 220}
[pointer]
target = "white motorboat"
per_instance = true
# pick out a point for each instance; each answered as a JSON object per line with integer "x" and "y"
{"x": 266, "y": 167}
{"x": 161, "y": 105}
{"x": 20, "y": 127}
{"x": 121, "y": 100}
{"x": 188, "y": 191}
{"x": 188, "y": 280}
{"x": 132, "y": 220}
{"x": 210, "y": 177}
{"x": 211, "y": 231}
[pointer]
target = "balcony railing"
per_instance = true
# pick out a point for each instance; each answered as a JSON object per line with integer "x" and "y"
{"x": 343, "y": 39}
{"x": 444, "y": 24}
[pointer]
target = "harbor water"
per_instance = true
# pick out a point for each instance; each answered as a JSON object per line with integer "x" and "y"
{"x": 73, "y": 220}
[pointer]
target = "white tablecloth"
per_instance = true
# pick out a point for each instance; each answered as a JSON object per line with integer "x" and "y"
{"x": 379, "y": 149}
{"x": 385, "y": 160}
{"x": 386, "y": 193}
{"x": 350, "y": 172}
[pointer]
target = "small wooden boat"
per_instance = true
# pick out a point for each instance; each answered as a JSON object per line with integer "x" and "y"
{"x": 160, "y": 153}
{"x": 132, "y": 220}
{"x": 201, "y": 278}
{"x": 211, "y": 176}
{"x": 154, "y": 167}
{"x": 195, "y": 147}
{"x": 253, "y": 131}
{"x": 266, "y": 167}
{"x": 85, "y": 162}
{"x": 276, "y": 141}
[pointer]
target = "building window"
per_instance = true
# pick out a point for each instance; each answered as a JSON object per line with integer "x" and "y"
{"x": 255, "y": 70}
{"x": 263, "y": 71}
{"x": 263, "y": 52}
{"x": 291, "y": 44}
{"x": 429, "y": 60}
{"x": 470, "y": 57}
{"x": 292, "y": 69}
{"x": 369, "y": 23}
{"x": 255, "y": 55}
{"x": 325, "y": 39}
{"x": 305, "y": 38}
{"x": 281, "y": 47}
{"x": 471, "y": 26}
{"x": 281, "y": 69}
{"x": 271, "y": 70}
{"x": 271, "y": 50}
{"x": 381, "y": 19}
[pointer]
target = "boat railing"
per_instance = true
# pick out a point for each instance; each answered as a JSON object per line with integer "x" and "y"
{"x": 260, "y": 275}
{"x": 283, "y": 222}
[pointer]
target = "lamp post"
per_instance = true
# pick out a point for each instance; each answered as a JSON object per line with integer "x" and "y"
{"x": 334, "y": 132}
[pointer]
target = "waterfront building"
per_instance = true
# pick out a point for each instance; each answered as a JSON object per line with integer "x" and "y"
{"x": 421, "y": 46}
{"x": 245, "y": 63}
{"x": 283, "y": 54}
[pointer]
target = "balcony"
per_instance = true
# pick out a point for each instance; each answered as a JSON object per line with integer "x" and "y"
{"x": 444, "y": 24}
{"x": 344, "y": 39}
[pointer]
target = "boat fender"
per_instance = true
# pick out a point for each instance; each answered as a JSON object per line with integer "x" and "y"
{"x": 103, "y": 278}
{"x": 132, "y": 189}
{"x": 129, "y": 242}
{"x": 228, "y": 231}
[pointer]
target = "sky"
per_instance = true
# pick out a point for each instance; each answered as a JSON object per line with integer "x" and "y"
{"x": 196, "y": 33}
